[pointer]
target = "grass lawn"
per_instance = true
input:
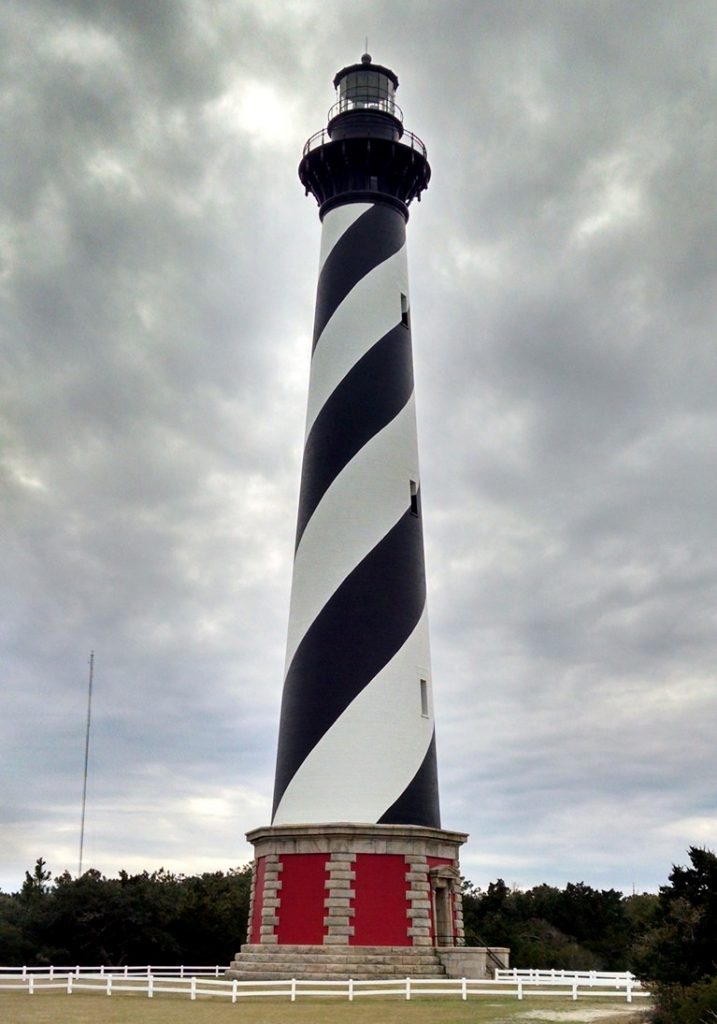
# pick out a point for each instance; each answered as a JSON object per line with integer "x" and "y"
{"x": 88, "y": 1008}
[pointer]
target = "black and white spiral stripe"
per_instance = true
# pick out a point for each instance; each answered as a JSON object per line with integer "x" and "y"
{"x": 356, "y": 740}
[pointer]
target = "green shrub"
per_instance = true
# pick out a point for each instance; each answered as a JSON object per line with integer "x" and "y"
{"x": 693, "y": 1004}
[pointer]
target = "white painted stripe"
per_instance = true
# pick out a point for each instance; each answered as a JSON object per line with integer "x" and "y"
{"x": 335, "y": 223}
{"x": 370, "y": 310}
{"x": 363, "y": 503}
{"x": 372, "y": 752}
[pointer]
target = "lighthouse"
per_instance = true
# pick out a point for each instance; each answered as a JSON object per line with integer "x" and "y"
{"x": 356, "y": 740}
{"x": 355, "y": 875}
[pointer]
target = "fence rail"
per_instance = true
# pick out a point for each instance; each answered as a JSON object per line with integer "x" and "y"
{"x": 591, "y": 978}
{"x": 204, "y": 982}
{"x": 543, "y": 975}
{"x": 126, "y": 971}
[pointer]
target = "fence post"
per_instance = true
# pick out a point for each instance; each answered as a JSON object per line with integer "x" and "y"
{"x": 69, "y": 984}
{"x": 24, "y": 973}
{"x": 464, "y": 989}
{"x": 408, "y": 988}
{"x": 193, "y": 988}
{"x": 181, "y": 971}
{"x": 126, "y": 970}
{"x": 293, "y": 990}
{"x": 234, "y": 989}
{"x": 628, "y": 990}
{"x": 109, "y": 984}
{"x": 351, "y": 990}
{"x": 520, "y": 988}
{"x": 52, "y": 972}
{"x": 150, "y": 986}
{"x": 31, "y": 985}
{"x": 575, "y": 989}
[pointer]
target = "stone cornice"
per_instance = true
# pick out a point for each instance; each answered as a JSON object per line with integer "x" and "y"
{"x": 352, "y": 830}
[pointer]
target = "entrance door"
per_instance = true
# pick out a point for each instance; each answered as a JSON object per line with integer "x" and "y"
{"x": 444, "y": 916}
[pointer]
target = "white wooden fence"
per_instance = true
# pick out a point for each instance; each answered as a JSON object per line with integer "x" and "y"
{"x": 127, "y": 971}
{"x": 590, "y": 978}
{"x": 204, "y": 981}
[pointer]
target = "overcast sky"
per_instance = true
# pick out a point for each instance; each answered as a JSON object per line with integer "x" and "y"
{"x": 157, "y": 272}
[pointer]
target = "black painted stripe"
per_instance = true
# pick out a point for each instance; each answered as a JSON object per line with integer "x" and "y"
{"x": 372, "y": 238}
{"x": 357, "y": 632}
{"x": 419, "y": 803}
{"x": 371, "y": 394}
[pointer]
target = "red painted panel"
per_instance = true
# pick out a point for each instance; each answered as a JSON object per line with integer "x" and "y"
{"x": 380, "y": 901}
{"x": 434, "y": 862}
{"x": 301, "y": 914}
{"x": 254, "y": 930}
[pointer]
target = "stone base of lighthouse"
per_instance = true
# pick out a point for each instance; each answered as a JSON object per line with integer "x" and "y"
{"x": 346, "y": 900}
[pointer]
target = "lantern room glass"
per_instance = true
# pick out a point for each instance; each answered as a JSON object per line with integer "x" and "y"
{"x": 367, "y": 90}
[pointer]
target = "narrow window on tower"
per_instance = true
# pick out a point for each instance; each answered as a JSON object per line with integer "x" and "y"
{"x": 424, "y": 697}
{"x": 404, "y": 311}
{"x": 414, "y": 498}
{"x": 373, "y": 182}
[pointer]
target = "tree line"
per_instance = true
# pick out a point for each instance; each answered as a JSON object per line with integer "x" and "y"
{"x": 148, "y": 918}
{"x": 668, "y": 939}
{"x": 575, "y": 928}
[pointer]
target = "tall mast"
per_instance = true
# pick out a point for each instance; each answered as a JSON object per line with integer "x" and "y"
{"x": 87, "y": 761}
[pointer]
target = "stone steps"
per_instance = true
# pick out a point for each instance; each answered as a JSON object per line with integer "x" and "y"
{"x": 310, "y": 957}
{"x": 266, "y": 963}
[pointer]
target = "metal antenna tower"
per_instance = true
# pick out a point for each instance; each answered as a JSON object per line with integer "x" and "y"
{"x": 87, "y": 759}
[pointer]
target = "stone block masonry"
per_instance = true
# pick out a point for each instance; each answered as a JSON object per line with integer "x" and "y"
{"x": 355, "y": 885}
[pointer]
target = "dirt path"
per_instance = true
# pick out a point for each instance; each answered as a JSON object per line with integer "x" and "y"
{"x": 609, "y": 1015}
